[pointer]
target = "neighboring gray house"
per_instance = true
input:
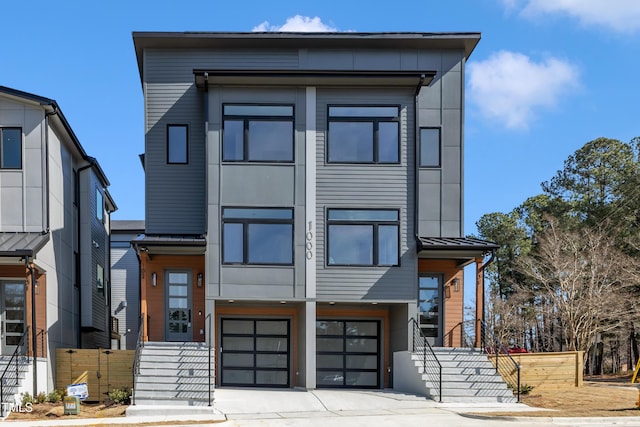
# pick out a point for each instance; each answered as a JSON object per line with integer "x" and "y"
{"x": 54, "y": 236}
{"x": 304, "y": 200}
{"x": 125, "y": 283}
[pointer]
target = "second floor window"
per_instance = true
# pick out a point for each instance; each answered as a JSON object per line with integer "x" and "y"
{"x": 257, "y": 133}
{"x": 11, "y": 148}
{"x": 363, "y": 134}
{"x": 257, "y": 236}
{"x": 99, "y": 206}
{"x": 363, "y": 237}
{"x": 177, "y": 144}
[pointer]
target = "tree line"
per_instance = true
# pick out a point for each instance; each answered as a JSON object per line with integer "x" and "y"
{"x": 567, "y": 273}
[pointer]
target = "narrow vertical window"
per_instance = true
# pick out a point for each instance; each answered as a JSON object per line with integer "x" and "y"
{"x": 11, "y": 148}
{"x": 99, "y": 205}
{"x": 177, "y": 144}
{"x": 99, "y": 276}
{"x": 430, "y": 147}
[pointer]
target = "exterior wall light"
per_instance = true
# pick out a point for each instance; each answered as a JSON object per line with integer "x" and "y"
{"x": 154, "y": 279}
{"x": 456, "y": 284}
{"x": 200, "y": 279}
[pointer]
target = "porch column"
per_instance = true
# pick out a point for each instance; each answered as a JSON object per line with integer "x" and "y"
{"x": 479, "y": 301}
{"x": 310, "y": 346}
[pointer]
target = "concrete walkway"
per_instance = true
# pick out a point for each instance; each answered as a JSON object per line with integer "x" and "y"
{"x": 327, "y": 408}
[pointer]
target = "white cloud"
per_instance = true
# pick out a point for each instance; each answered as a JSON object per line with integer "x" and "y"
{"x": 510, "y": 88}
{"x": 298, "y": 24}
{"x": 619, "y": 15}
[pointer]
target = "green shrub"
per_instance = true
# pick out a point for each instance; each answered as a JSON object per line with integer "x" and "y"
{"x": 41, "y": 397}
{"x": 54, "y": 397}
{"x": 524, "y": 388}
{"x": 26, "y": 398}
{"x": 120, "y": 395}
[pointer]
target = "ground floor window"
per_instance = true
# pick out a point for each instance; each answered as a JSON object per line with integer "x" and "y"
{"x": 348, "y": 353}
{"x": 255, "y": 352}
{"x": 430, "y": 307}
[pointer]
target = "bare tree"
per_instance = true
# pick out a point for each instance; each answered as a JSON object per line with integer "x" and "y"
{"x": 586, "y": 280}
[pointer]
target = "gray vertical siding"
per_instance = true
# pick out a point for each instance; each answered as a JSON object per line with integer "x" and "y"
{"x": 22, "y": 191}
{"x": 440, "y": 190}
{"x": 367, "y": 186}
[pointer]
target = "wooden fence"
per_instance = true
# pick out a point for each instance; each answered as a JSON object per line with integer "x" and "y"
{"x": 102, "y": 370}
{"x": 549, "y": 370}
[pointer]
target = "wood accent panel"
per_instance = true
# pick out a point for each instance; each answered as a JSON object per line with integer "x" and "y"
{"x": 547, "y": 370}
{"x": 101, "y": 371}
{"x": 22, "y": 273}
{"x": 153, "y": 298}
{"x": 239, "y": 310}
{"x": 378, "y": 313}
{"x": 453, "y": 301}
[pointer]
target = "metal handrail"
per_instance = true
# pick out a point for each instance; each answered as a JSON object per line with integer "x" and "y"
{"x": 208, "y": 338}
{"x": 136, "y": 359}
{"x": 431, "y": 366}
{"x": 492, "y": 345}
{"x": 20, "y": 350}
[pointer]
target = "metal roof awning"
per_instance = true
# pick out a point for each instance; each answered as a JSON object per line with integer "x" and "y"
{"x": 461, "y": 248}
{"x": 170, "y": 245}
{"x": 363, "y": 78}
{"x": 19, "y": 245}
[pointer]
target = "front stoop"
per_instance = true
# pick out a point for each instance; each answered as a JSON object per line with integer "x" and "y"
{"x": 12, "y": 380}
{"x": 467, "y": 377}
{"x": 173, "y": 376}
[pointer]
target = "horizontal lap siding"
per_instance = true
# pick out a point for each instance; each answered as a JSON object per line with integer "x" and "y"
{"x": 176, "y": 194}
{"x": 367, "y": 186}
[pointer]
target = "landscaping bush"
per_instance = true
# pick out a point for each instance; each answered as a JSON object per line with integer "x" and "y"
{"x": 120, "y": 395}
{"x": 26, "y": 398}
{"x": 54, "y": 397}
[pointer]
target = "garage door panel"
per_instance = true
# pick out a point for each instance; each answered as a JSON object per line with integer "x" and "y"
{"x": 348, "y": 353}
{"x": 255, "y": 352}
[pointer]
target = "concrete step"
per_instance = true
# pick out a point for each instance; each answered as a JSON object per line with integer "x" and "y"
{"x": 174, "y": 394}
{"x": 172, "y": 387}
{"x": 174, "y": 406}
{"x": 173, "y": 372}
{"x": 169, "y": 408}
{"x": 173, "y": 379}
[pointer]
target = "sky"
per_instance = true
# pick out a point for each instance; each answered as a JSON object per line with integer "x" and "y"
{"x": 547, "y": 77}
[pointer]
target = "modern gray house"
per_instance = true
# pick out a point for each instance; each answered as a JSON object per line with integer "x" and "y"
{"x": 304, "y": 204}
{"x": 54, "y": 241}
{"x": 125, "y": 283}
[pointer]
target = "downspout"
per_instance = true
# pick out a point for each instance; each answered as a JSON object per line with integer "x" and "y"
{"x": 79, "y": 266}
{"x": 34, "y": 332}
{"x": 46, "y": 163}
{"x": 484, "y": 266}
{"x": 416, "y": 133}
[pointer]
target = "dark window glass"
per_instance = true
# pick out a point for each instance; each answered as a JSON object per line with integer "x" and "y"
{"x": 177, "y": 144}
{"x": 350, "y": 244}
{"x": 270, "y": 141}
{"x": 257, "y": 236}
{"x": 11, "y": 149}
{"x": 351, "y": 142}
{"x": 363, "y": 134}
{"x": 363, "y": 237}
{"x": 430, "y": 147}
{"x": 257, "y": 133}
{"x": 270, "y": 243}
{"x": 233, "y": 140}
{"x": 233, "y": 243}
